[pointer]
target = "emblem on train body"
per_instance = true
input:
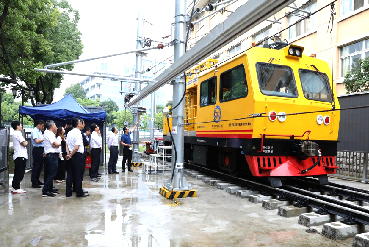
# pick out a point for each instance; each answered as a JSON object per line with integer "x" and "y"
{"x": 217, "y": 114}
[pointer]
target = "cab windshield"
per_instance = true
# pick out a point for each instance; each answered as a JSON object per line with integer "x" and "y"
{"x": 276, "y": 80}
{"x": 315, "y": 85}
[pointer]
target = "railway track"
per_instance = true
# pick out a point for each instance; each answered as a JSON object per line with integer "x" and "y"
{"x": 338, "y": 201}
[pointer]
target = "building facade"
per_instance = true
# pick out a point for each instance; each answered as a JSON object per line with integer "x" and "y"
{"x": 105, "y": 88}
{"x": 340, "y": 42}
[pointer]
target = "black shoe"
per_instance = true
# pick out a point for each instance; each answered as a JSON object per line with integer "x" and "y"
{"x": 68, "y": 195}
{"x": 55, "y": 191}
{"x": 123, "y": 170}
{"x": 94, "y": 179}
{"x": 48, "y": 194}
{"x": 99, "y": 174}
{"x": 130, "y": 170}
{"x": 40, "y": 183}
{"x": 36, "y": 186}
{"x": 83, "y": 195}
{"x": 85, "y": 191}
{"x": 115, "y": 172}
{"x": 110, "y": 172}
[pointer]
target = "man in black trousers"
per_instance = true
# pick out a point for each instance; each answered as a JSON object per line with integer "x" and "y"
{"x": 113, "y": 146}
{"x": 127, "y": 147}
{"x": 37, "y": 138}
{"x": 75, "y": 150}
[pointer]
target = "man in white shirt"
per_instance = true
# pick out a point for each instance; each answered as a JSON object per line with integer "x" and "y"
{"x": 95, "y": 146}
{"x": 37, "y": 152}
{"x": 51, "y": 149}
{"x": 113, "y": 147}
{"x": 75, "y": 150}
{"x": 20, "y": 157}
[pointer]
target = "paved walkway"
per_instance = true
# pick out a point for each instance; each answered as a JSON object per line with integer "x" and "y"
{"x": 127, "y": 210}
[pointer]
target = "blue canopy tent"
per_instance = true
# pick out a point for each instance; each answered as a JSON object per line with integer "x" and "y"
{"x": 62, "y": 111}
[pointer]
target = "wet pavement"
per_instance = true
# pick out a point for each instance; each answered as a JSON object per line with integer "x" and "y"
{"x": 127, "y": 210}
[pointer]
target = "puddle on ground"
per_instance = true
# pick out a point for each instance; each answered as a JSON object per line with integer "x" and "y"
{"x": 122, "y": 228}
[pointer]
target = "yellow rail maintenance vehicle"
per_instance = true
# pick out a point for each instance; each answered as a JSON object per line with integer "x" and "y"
{"x": 269, "y": 112}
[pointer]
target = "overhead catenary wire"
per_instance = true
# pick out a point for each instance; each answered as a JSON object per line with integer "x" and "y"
{"x": 152, "y": 67}
{"x": 273, "y": 35}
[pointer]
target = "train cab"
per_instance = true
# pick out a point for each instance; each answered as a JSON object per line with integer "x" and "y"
{"x": 270, "y": 111}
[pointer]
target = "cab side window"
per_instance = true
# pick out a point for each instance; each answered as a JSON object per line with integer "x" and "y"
{"x": 208, "y": 92}
{"x": 233, "y": 84}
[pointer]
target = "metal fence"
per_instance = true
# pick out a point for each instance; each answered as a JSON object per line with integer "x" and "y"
{"x": 4, "y": 168}
{"x": 352, "y": 165}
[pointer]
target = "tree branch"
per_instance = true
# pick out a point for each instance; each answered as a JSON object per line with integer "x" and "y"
{"x": 5, "y": 54}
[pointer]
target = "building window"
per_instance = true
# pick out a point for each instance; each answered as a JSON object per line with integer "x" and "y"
{"x": 233, "y": 84}
{"x": 104, "y": 66}
{"x": 208, "y": 92}
{"x": 352, "y": 5}
{"x": 234, "y": 49}
{"x": 350, "y": 55}
{"x": 259, "y": 36}
{"x": 305, "y": 26}
{"x": 200, "y": 23}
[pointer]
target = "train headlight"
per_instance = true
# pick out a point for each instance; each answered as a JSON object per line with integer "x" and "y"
{"x": 282, "y": 116}
{"x": 319, "y": 119}
{"x": 272, "y": 115}
{"x": 293, "y": 51}
{"x": 327, "y": 120}
{"x": 290, "y": 51}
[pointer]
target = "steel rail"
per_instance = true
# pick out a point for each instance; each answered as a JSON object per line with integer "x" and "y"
{"x": 352, "y": 194}
{"x": 326, "y": 206}
{"x": 338, "y": 185}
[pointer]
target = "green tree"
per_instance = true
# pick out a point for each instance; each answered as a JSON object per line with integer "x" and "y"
{"x": 159, "y": 120}
{"x": 10, "y": 110}
{"x": 110, "y": 107}
{"x": 34, "y": 33}
{"x": 357, "y": 80}
{"x": 159, "y": 108}
{"x": 144, "y": 121}
{"x": 169, "y": 103}
{"x": 89, "y": 102}
{"x": 76, "y": 91}
{"x": 120, "y": 117}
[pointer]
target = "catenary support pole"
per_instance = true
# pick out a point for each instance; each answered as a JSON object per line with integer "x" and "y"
{"x": 136, "y": 133}
{"x": 152, "y": 120}
{"x": 178, "y": 187}
{"x": 178, "y": 89}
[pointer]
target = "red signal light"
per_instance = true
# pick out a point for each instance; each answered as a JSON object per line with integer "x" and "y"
{"x": 327, "y": 120}
{"x": 272, "y": 115}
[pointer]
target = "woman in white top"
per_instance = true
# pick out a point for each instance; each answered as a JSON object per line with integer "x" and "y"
{"x": 95, "y": 149}
{"x": 60, "y": 175}
{"x": 20, "y": 157}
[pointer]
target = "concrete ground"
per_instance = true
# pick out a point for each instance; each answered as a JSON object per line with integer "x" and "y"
{"x": 127, "y": 210}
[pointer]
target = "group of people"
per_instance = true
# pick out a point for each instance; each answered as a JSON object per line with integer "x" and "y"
{"x": 64, "y": 150}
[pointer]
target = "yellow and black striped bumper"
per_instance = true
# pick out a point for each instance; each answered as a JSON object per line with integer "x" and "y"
{"x": 136, "y": 164}
{"x": 177, "y": 194}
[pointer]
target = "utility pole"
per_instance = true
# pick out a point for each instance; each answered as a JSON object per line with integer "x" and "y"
{"x": 178, "y": 187}
{"x": 152, "y": 120}
{"x": 136, "y": 134}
